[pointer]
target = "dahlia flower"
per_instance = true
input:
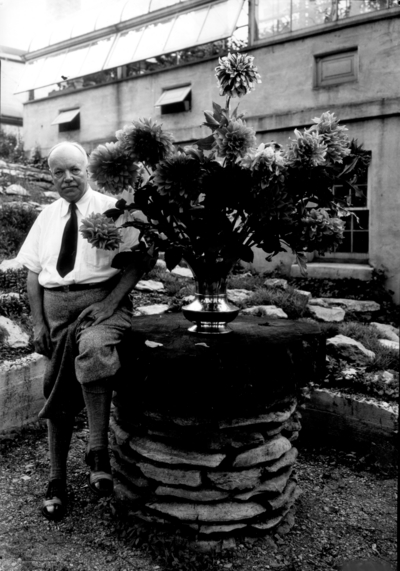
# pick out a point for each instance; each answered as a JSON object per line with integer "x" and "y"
{"x": 145, "y": 141}
{"x": 178, "y": 177}
{"x": 100, "y": 231}
{"x": 320, "y": 230}
{"x": 236, "y": 75}
{"x": 267, "y": 156}
{"x": 307, "y": 149}
{"x": 234, "y": 140}
{"x": 110, "y": 167}
{"x": 333, "y": 135}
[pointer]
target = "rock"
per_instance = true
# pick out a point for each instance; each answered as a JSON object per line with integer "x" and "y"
{"x": 242, "y": 480}
{"x": 328, "y": 314}
{"x": 171, "y": 476}
{"x": 17, "y": 189}
{"x": 3, "y": 164}
{"x": 149, "y": 286}
{"x": 15, "y": 337}
{"x": 194, "y": 495}
{"x": 51, "y": 194}
{"x": 265, "y": 311}
{"x": 268, "y": 524}
{"x": 151, "y": 309}
{"x": 149, "y": 518}
{"x": 10, "y": 295}
{"x": 349, "y": 349}
{"x": 287, "y": 459}
{"x": 286, "y": 524}
{"x": 353, "y": 305}
{"x": 389, "y": 344}
{"x": 220, "y": 528}
{"x": 276, "y": 416}
{"x": 275, "y": 484}
{"x": 161, "y": 264}
{"x": 386, "y": 331}
{"x": 285, "y": 497}
{"x": 276, "y": 283}
{"x": 163, "y": 453}
{"x": 305, "y": 296}
{"x": 238, "y": 295}
{"x": 10, "y": 265}
{"x": 182, "y": 272}
{"x": 269, "y": 451}
{"x": 127, "y": 475}
{"x": 227, "y": 511}
{"x": 124, "y": 494}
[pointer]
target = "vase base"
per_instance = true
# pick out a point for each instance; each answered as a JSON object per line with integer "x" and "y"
{"x": 213, "y": 328}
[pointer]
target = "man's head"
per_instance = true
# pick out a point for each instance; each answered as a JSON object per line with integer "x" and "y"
{"x": 68, "y": 166}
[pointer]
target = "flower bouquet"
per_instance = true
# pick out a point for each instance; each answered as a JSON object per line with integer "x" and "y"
{"x": 211, "y": 202}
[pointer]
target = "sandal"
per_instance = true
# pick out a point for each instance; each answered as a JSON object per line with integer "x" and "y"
{"x": 54, "y": 504}
{"x": 100, "y": 479}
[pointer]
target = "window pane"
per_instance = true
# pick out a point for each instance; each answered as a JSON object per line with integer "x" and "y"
{"x": 51, "y": 70}
{"x": 307, "y": 13}
{"x": 186, "y": 30}
{"x": 359, "y": 198}
{"x": 124, "y": 48}
{"x": 73, "y": 62}
{"x": 272, "y": 17}
{"x": 31, "y": 72}
{"x": 221, "y": 21}
{"x": 360, "y": 242}
{"x": 97, "y": 55}
{"x": 363, "y": 220}
{"x": 345, "y": 246}
{"x": 135, "y": 8}
{"x": 348, "y": 8}
{"x": 153, "y": 40}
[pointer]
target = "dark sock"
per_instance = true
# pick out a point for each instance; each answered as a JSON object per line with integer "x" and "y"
{"x": 97, "y": 397}
{"x": 59, "y": 434}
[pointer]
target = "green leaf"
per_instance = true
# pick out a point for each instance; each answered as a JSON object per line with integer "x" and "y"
{"x": 172, "y": 257}
{"x": 113, "y": 213}
{"x": 123, "y": 260}
{"x": 205, "y": 143}
{"x": 246, "y": 254}
{"x": 218, "y": 114}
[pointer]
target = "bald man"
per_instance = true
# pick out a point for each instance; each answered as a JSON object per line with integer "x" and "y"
{"x": 80, "y": 311}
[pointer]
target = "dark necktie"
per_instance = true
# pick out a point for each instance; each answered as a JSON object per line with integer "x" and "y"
{"x": 67, "y": 255}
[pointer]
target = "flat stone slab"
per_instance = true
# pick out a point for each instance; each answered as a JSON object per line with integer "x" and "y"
{"x": 389, "y": 344}
{"x": 278, "y": 416}
{"x": 327, "y": 314}
{"x": 276, "y": 484}
{"x": 349, "y": 349}
{"x": 18, "y": 190}
{"x": 387, "y": 331}
{"x": 220, "y": 528}
{"x": 151, "y": 309}
{"x": 265, "y": 311}
{"x": 285, "y": 497}
{"x": 287, "y": 459}
{"x": 268, "y": 524}
{"x": 193, "y": 495}
{"x": 163, "y": 453}
{"x": 276, "y": 283}
{"x": 149, "y": 286}
{"x": 15, "y": 337}
{"x": 269, "y": 451}
{"x": 237, "y": 295}
{"x": 176, "y": 477}
{"x": 354, "y": 305}
{"x": 242, "y": 480}
{"x": 227, "y": 511}
{"x": 182, "y": 272}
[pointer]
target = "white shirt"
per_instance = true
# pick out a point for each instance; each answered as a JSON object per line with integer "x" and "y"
{"x": 39, "y": 252}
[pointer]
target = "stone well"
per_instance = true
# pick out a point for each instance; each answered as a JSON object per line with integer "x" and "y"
{"x": 203, "y": 426}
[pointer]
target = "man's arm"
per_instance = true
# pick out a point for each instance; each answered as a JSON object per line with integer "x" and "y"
{"x": 41, "y": 335}
{"x": 102, "y": 310}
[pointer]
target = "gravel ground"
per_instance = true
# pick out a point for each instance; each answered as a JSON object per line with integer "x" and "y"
{"x": 347, "y": 510}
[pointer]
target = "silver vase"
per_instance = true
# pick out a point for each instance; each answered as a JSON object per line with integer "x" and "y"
{"x": 210, "y": 311}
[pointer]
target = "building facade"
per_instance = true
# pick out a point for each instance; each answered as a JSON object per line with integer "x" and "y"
{"x": 313, "y": 56}
{"x": 11, "y": 108}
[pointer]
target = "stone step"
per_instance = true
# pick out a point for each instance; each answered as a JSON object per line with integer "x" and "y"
{"x": 327, "y": 271}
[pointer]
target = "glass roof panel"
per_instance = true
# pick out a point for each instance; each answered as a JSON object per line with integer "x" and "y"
{"x": 221, "y": 21}
{"x": 41, "y": 39}
{"x": 31, "y": 71}
{"x": 97, "y": 55}
{"x": 186, "y": 30}
{"x": 74, "y": 61}
{"x": 61, "y": 30}
{"x": 158, "y": 4}
{"x": 134, "y": 8}
{"x": 50, "y": 72}
{"x": 153, "y": 40}
{"x": 83, "y": 24}
{"x": 109, "y": 14}
{"x": 124, "y": 48}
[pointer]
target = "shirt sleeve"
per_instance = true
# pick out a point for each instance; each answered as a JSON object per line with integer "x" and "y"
{"x": 28, "y": 255}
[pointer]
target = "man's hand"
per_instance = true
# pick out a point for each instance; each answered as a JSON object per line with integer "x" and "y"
{"x": 41, "y": 340}
{"x": 96, "y": 313}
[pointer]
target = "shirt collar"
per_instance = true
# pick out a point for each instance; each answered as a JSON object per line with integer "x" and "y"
{"x": 82, "y": 204}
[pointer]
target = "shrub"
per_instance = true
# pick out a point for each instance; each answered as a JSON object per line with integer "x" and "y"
{"x": 291, "y": 303}
{"x": 385, "y": 358}
{"x": 15, "y": 223}
{"x": 11, "y": 147}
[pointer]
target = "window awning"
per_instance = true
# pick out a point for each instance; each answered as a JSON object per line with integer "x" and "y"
{"x": 211, "y": 22}
{"x": 66, "y": 116}
{"x": 176, "y": 95}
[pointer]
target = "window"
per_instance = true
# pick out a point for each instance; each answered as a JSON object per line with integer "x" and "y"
{"x": 356, "y": 233}
{"x": 333, "y": 69}
{"x": 175, "y": 100}
{"x": 68, "y": 120}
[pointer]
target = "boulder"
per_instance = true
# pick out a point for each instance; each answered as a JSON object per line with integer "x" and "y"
{"x": 17, "y": 189}
{"x": 271, "y": 450}
{"x": 12, "y": 264}
{"x": 386, "y": 331}
{"x": 151, "y": 309}
{"x": 276, "y": 283}
{"x": 343, "y": 347}
{"x": 265, "y": 311}
{"x": 305, "y": 296}
{"x": 149, "y": 286}
{"x": 182, "y": 272}
{"x": 238, "y": 295}
{"x": 389, "y": 344}
{"x": 327, "y": 314}
{"x": 15, "y": 337}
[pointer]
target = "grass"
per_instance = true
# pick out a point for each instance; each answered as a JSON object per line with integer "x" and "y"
{"x": 288, "y": 300}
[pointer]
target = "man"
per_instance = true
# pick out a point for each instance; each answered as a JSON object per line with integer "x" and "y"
{"x": 80, "y": 312}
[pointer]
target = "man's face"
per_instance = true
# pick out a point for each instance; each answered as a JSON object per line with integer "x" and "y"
{"x": 68, "y": 169}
